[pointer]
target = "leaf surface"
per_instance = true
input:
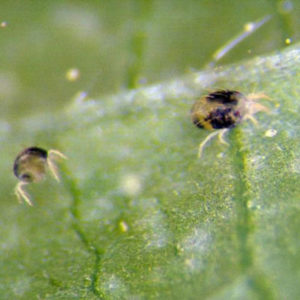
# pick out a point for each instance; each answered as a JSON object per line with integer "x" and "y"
{"x": 138, "y": 215}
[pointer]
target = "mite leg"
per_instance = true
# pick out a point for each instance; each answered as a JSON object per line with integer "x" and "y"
{"x": 51, "y": 164}
{"x": 57, "y": 153}
{"x": 257, "y": 96}
{"x": 220, "y": 134}
{"x": 21, "y": 194}
{"x": 251, "y": 118}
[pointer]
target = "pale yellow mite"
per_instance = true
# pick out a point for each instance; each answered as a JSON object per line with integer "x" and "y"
{"x": 224, "y": 109}
{"x": 31, "y": 166}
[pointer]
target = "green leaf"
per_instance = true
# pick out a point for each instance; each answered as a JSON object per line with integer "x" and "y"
{"x": 138, "y": 215}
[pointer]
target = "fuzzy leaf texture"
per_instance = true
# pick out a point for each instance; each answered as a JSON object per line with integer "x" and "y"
{"x": 138, "y": 216}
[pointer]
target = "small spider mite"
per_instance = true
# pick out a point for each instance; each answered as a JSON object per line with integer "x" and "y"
{"x": 223, "y": 110}
{"x": 31, "y": 165}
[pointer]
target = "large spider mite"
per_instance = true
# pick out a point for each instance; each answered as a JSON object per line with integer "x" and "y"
{"x": 224, "y": 109}
{"x": 31, "y": 165}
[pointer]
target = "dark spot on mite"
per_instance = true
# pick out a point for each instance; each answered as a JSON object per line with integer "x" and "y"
{"x": 198, "y": 123}
{"x": 237, "y": 114}
{"x": 16, "y": 167}
{"x": 36, "y": 151}
{"x": 224, "y": 97}
{"x": 220, "y": 118}
{"x": 26, "y": 177}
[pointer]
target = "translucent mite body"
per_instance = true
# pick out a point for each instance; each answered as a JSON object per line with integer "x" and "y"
{"x": 222, "y": 110}
{"x": 30, "y": 166}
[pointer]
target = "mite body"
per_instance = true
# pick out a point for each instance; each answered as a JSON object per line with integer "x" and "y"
{"x": 31, "y": 165}
{"x": 222, "y": 110}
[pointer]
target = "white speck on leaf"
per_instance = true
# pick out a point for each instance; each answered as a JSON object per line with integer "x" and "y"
{"x": 114, "y": 286}
{"x": 195, "y": 247}
{"x": 73, "y": 74}
{"x": 123, "y": 226}
{"x": 257, "y": 162}
{"x": 131, "y": 185}
{"x": 270, "y": 132}
{"x": 152, "y": 224}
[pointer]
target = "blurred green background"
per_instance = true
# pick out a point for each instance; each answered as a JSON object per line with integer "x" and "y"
{"x": 122, "y": 44}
